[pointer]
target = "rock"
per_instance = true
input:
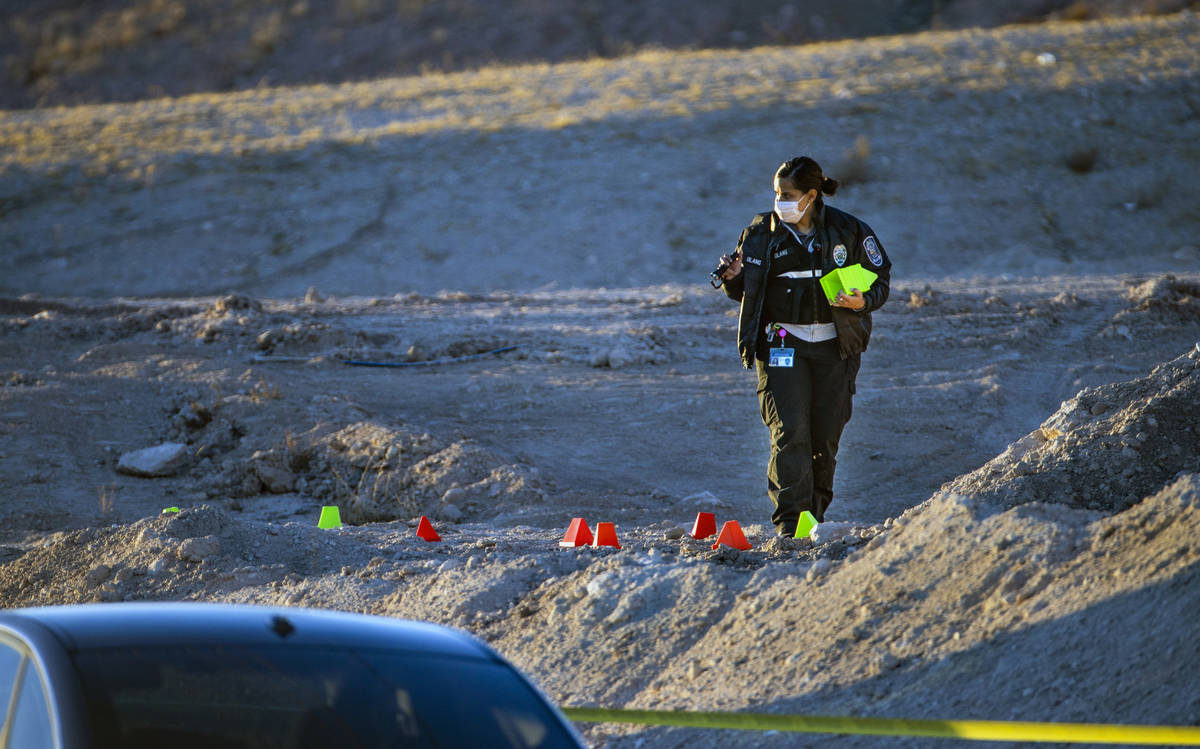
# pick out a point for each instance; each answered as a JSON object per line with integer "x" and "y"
{"x": 231, "y": 303}
{"x": 312, "y": 296}
{"x": 199, "y": 549}
{"x": 674, "y": 534}
{"x": 160, "y": 460}
{"x": 250, "y": 485}
{"x": 20, "y": 377}
{"x": 208, "y": 332}
{"x": 275, "y": 480}
{"x": 148, "y": 538}
{"x": 826, "y": 532}
{"x": 452, "y": 513}
{"x": 194, "y": 523}
{"x": 620, "y": 357}
{"x": 705, "y": 498}
{"x": 97, "y": 575}
{"x": 598, "y": 586}
{"x": 614, "y": 358}
{"x": 415, "y": 354}
{"x": 819, "y": 569}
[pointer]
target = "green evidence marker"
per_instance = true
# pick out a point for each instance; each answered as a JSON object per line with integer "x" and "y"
{"x": 804, "y": 526}
{"x": 331, "y": 517}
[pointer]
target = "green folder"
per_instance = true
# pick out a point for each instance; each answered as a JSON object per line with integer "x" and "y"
{"x": 844, "y": 279}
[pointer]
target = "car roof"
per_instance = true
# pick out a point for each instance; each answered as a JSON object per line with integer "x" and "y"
{"x": 104, "y": 625}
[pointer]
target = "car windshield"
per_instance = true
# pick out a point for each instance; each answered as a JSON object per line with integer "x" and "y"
{"x": 298, "y": 697}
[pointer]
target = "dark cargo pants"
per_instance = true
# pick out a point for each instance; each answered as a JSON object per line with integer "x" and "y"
{"x": 805, "y": 407}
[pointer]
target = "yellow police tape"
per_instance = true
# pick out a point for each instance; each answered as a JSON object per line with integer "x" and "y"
{"x": 972, "y": 730}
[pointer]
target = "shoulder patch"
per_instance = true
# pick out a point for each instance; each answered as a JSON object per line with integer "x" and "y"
{"x": 872, "y": 250}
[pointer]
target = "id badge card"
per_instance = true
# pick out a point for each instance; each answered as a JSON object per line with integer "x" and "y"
{"x": 781, "y": 357}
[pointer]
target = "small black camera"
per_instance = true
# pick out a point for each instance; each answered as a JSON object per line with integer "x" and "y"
{"x": 714, "y": 278}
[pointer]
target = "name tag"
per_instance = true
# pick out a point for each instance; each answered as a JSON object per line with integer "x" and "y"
{"x": 781, "y": 357}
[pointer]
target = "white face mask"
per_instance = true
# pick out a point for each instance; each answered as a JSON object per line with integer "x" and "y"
{"x": 789, "y": 211}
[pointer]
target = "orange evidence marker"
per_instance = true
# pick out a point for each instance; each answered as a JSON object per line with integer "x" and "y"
{"x": 606, "y": 535}
{"x": 731, "y": 535}
{"x": 705, "y": 525}
{"x": 425, "y": 530}
{"x": 578, "y": 534}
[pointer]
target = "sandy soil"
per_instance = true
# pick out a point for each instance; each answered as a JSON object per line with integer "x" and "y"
{"x": 1018, "y": 493}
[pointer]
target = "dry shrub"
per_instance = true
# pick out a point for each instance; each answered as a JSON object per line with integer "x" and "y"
{"x": 853, "y": 168}
{"x": 263, "y": 391}
{"x": 359, "y": 11}
{"x": 1152, "y": 193}
{"x": 1081, "y": 160}
{"x": 298, "y": 452}
{"x": 923, "y": 298}
{"x": 267, "y": 34}
{"x": 1077, "y": 11}
{"x": 106, "y": 495}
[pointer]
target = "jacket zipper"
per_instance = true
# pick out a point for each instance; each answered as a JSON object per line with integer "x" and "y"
{"x": 762, "y": 295}
{"x": 816, "y": 282}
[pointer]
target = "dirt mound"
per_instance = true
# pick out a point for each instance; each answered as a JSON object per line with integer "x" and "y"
{"x": 192, "y": 554}
{"x": 1158, "y": 306}
{"x": 909, "y": 625}
{"x": 1104, "y": 449}
{"x": 900, "y": 618}
{"x": 374, "y": 472}
{"x": 384, "y": 474}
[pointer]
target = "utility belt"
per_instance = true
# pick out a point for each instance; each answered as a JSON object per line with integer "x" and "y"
{"x": 787, "y": 295}
{"x": 814, "y": 333}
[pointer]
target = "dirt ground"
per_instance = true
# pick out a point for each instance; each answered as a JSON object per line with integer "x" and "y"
{"x": 1018, "y": 493}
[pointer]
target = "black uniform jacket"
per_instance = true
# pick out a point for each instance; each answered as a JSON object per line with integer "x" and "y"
{"x": 837, "y": 231}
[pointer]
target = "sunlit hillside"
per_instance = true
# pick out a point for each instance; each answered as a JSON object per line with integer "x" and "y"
{"x": 56, "y": 53}
{"x": 377, "y": 187}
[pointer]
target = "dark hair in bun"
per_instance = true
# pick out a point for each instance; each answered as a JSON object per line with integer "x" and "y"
{"x": 805, "y": 173}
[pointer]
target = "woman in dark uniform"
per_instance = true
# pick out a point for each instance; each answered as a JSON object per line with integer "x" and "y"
{"x": 805, "y": 348}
